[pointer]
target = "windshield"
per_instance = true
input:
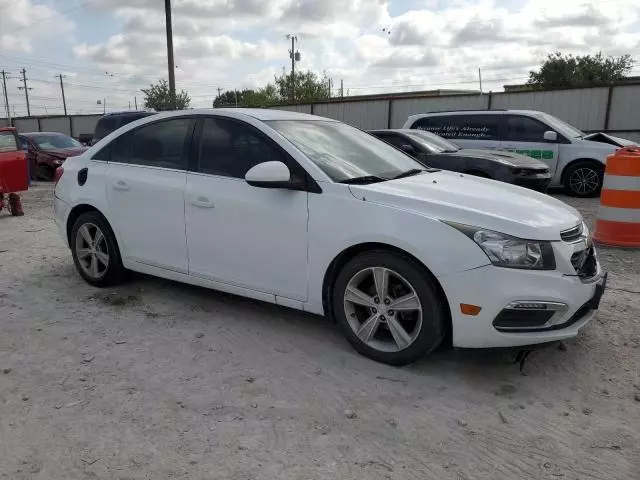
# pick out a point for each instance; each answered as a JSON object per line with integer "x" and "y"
{"x": 562, "y": 126}
{"x": 344, "y": 152}
{"x": 54, "y": 142}
{"x": 431, "y": 141}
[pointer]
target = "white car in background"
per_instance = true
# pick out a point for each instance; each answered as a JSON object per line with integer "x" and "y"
{"x": 315, "y": 215}
{"x": 576, "y": 160}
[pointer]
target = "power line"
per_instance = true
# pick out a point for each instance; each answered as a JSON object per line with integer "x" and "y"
{"x": 51, "y": 17}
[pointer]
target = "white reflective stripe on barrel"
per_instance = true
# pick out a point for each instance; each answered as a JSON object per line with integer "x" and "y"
{"x": 620, "y": 182}
{"x": 630, "y": 215}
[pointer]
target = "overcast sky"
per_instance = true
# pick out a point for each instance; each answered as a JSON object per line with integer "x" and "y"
{"x": 109, "y": 49}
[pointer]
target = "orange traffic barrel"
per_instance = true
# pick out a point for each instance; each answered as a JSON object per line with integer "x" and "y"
{"x": 618, "y": 221}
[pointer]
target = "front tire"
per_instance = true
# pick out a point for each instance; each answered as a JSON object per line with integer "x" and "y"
{"x": 388, "y": 308}
{"x": 584, "y": 179}
{"x": 95, "y": 251}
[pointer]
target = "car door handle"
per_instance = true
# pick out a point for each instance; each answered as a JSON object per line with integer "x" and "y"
{"x": 121, "y": 185}
{"x": 201, "y": 202}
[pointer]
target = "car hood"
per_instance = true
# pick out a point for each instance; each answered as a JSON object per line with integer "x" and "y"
{"x": 479, "y": 202}
{"x": 602, "y": 137}
{"x": 510, "y": 158}
{"x": 63, "y": 153}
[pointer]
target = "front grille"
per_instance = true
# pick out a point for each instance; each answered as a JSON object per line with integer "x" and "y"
{"x": 584, "y": 263}
{"x": 572, "y": 234}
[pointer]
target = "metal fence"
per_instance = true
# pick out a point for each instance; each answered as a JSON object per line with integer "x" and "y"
{"x": 614, "y": 109}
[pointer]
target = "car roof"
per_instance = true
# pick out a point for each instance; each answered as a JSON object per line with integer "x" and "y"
{"x": 262, "y": 114}
{"x": 140, "y": 113}
{"x": 31, "y": 134}
{"x": 7, "y": 129}
{"x": 475, "y": 112}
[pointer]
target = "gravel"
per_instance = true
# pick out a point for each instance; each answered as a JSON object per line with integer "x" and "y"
{"x": 162, "y": 405}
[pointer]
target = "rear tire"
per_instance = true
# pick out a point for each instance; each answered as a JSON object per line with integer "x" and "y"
{"x": 584, "y": 179}
{"x": 388, "y": 307}
{"x": 95, "y": 251}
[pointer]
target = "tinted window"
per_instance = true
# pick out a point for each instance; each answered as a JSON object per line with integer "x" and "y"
{"x": 525, "y": 129}
{"x": 462, "y": 127}
{"x": 105, "y": 126}
{"x": 24, "y": 144}
{"x": 230, "y": 148}
{"x": 8, "y": 142}
{"x": 160, "y": 144}
{"x": 395, "y": 140}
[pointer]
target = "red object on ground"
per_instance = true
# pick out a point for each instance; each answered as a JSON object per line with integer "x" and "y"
{"x": 14, "y": 171}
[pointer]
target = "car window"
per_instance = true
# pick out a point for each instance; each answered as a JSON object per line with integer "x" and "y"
{"x": 436, "y": 143}
{"x": 24, "y": 143}
{"x": 395, "y": 140}
{"x": 462, "y": 127}
{"x": 53, "y": 142}
{"x": 524, "y": 129}
{"x": 105, "y": 126}
{"x": 159, "y": 144}
{"x": 230, "y": 148}
{"x": 344, "y": 152}
{"x": 8, "y": 141}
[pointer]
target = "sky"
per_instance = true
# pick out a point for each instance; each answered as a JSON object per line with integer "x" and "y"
{"x": 107, "y": 50}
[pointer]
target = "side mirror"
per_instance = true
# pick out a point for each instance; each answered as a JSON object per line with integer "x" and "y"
{"x": 269, "y": 175}
{"x": 550, "y": 136}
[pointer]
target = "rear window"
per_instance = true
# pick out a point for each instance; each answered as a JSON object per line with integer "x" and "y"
{"x": 461, "y": 127}
{"x": 8, "y": 141}
{"x": 109, "y": 124}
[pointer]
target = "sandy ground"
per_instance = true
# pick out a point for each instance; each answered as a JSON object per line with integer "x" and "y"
{"x": 157, "y": 380}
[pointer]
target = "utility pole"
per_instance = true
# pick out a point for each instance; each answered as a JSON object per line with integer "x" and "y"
{"x": 172, "y": 79}
{"x": 6, "y": 96}
{"x": 219, "y": 91}
{"x": 295, "y": 57}
{"x": 26, "y": 90}
{"x": 129, "y": 104}
{"x": 135, "y": 101}
{"x": 480, "y": 78}
{"x": 341, "y": 88}
{"x": 64, "y": 102}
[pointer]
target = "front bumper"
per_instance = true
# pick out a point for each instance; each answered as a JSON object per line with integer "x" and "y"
{"x": 495, "y": 288}
{"x": 538, "y": 182}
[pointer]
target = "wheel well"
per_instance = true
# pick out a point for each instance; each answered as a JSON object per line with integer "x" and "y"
{"x": 336, "y": 265}
{"x": 573, "y": 162}
{"x": 74, "y": 215}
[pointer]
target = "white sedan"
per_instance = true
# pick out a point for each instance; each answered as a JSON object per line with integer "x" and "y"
{"x": 313, "y": 214}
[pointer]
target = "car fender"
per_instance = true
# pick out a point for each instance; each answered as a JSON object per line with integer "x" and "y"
{"x": 355, "y": 222}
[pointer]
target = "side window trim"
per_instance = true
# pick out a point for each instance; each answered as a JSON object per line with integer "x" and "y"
{"x": 310, "y": 184}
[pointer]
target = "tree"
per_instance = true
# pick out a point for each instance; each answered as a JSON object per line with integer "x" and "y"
{"x": 559, "y": 71}
{"x": 308, "y": 86}
{"x": 159, "y": 98}
{"x": 262, "y": 97}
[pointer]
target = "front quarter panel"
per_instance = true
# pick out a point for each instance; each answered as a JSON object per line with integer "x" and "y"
{"x": 338, "y": 221}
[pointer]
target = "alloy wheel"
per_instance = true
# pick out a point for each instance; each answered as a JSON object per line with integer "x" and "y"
{"x": 584, "y": 181}
{"x": 92, "y": 251}
{"x": 383, "y": 309}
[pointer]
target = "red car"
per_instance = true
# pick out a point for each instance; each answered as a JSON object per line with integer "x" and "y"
{"x": 46, "y": 151}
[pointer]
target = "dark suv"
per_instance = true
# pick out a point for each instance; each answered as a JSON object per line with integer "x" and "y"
{"x": 113, "y": 121}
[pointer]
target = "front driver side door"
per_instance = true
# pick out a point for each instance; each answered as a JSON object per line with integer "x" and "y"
{"x": 525, "y": 135}
{"x": 244, "y": 236}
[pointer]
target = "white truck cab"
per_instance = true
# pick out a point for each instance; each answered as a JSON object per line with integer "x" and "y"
{"x": 576, "y": 160}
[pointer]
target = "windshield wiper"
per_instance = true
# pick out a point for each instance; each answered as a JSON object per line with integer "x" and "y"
{"x": 409, "y": 173}
{"x": 365, "y": 179}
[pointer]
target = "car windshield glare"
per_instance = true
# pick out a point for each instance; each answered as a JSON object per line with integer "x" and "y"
{"x": 54, "y": 142}
{"x": 431, "y": 141}
{"x": 344, "y": 152}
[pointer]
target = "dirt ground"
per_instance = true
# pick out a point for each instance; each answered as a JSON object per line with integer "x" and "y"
{"x": 158, "y": 380}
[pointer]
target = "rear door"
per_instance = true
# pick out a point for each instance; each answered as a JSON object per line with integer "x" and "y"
{"x": 146, "y": 177}
{"x": 525, "y": 135}
{"x": 474, "y": 130}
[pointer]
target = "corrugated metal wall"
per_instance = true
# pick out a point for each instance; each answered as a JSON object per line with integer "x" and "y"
{"x": 55, "y": 124}
{"x": 584, "y": 108}
{"x": 625, "y": 108}
{"x": 402, "y": 108}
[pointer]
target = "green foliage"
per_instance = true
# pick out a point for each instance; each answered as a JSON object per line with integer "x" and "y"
{"x": 309, "y": 87}
{"x": 561, "y": 71}
{"x": 159, "y": 98}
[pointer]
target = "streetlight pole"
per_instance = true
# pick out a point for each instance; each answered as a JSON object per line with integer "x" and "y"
{"x": 172, "y": 79}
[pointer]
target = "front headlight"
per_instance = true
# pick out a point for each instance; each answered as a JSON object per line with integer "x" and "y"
{"x": 510, "y": 252}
